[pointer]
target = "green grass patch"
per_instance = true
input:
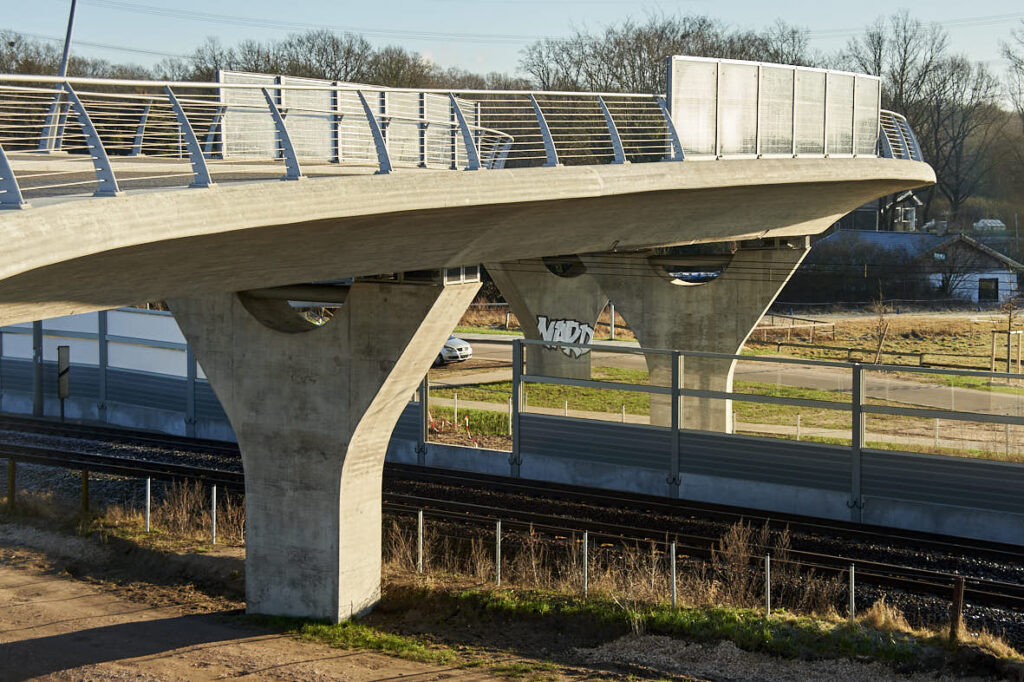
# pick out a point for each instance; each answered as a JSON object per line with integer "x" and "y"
{"x": 353, "y": 634}
{"x": 487, "y": 330}
{"x": 482, "y": 422}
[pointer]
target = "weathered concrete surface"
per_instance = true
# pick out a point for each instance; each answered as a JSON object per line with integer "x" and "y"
{"x": 533, "y": 292}
{"x": 715, "y": 317}
{"x": 76, "y": 255}
{"x": 313, "y": 413}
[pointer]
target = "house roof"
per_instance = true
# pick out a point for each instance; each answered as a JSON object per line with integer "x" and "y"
{"x": 914, "y": 244}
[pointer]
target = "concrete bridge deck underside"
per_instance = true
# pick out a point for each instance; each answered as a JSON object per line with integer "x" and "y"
{"x": 73, "y": 256}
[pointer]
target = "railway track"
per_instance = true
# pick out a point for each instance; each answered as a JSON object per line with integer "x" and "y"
{"x": 915, "y": 580}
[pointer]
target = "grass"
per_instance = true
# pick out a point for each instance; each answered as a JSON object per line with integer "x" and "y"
{"x": 483, "y": 422}
{"x": 880, "y": 634}
{"x": 353, "y": 634}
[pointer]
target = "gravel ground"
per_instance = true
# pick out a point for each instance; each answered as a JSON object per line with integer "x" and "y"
{"x": 919, "y": 610}
{"x": 724, "y": 661}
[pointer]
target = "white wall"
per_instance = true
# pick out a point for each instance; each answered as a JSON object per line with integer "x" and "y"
{"x": 967, "y": 288}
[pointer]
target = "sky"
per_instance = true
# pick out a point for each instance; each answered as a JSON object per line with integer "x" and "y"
{"x": 477, "y": 35}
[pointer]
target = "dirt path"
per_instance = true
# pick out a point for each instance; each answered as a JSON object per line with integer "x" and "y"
{"x": 55, "y": 627}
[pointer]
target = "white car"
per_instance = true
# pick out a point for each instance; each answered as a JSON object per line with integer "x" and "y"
{"x": 454, "y": 350}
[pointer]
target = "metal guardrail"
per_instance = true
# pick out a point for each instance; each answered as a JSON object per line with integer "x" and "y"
{"x": 61, "y": 136}
{"x": 853, "y": 401}
{"x": 896, "y": 139}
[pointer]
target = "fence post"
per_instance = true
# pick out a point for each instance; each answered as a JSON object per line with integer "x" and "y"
{"x": 213, "y": 514}
{"x": 586, "y": 563}
{"x": 37, "y": 368}
{"x": 63, "y": 377}
{"x": 455, "y": 404}
{"x": 510, "y": 415}
{"x": 853, "y": 603}
{"x": 565, "y": 409}
{"x": 190, "y": 392}
{"x": 856, "y": 441}
{"x": 515, "y": 459}
{"x": 956, "y": 616}
{"x": 767, "y": 584}
{"x": 12, "y": 487}
{"x": 623, "y": 413}
{"x": 419, "y": 541}
{"x": 798, "y": 426}
{"x": 104, "y": 361}
{"x": 424, "y": 430}
{"x": 672, "y": 564}
{"x": 85, "y": 491}
{"x": 611, "y": 308}
{"x": 148, "y": 501}
{"x": 497, "y": 552}
{"x": 673, "y": 476}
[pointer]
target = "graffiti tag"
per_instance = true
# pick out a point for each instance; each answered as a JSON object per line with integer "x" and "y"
{"x": 566, "y": 331}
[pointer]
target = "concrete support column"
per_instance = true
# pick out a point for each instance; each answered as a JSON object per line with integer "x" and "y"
{"x": 313, "y": 409}
{"x": 552, "y": 307}
{"x": 716, "y": 316}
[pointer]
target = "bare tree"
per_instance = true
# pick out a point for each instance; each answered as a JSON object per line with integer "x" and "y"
{"x": 1013, "y": 51}
{"x": 631, "y": 56}
{"x": 960, "y": 126}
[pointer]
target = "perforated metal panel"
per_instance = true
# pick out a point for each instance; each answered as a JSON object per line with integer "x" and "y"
{"x": 955, "y": 481}
{"x": 809, "y": 465}
{"x": 647, "y": 447}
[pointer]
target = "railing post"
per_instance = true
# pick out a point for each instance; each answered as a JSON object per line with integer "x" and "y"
{"x": 291, "y": 159}
{"x": 149, "y": 500}
{"x": 853, "y": 119}
{"x": 550, "y": 153}
{"x": 673, "y": 476}
{"x": 472, "y": 155}
{"x": 516, "y": 459}
{"x": 200, "y": 173}
{"x": 104, "y": 362}
{"x": 190, "y": 392}
{"x": 718, "y": 110}
{"x": 796, "y": 73}
{"x": 383, "y": 157}
{"x": 856, "y": 442}
{"x": 216, "y": 125}
{"x": 421, "y": 129}
{"x": 676, "y": 153}
{"x": 421, "y": 441}
{"x": 336, "y": 119}
{"x": 100, "y": 161}
{"x": 757, "y": 113}
{"x": 140, "y": 131}
{"x": 37, "y": 369}
{"x": 10, "y": 192}
{"x": 613, "y": 132}
{"x": 824, "y": 125}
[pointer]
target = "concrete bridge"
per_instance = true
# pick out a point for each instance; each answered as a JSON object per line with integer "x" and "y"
{"x": 139, "y": 190}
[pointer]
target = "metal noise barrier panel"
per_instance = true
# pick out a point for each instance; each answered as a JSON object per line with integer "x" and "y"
{"x": 635, "y": 445}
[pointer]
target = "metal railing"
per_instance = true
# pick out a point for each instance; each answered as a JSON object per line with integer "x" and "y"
{"x": 61, "y": 136}
{"x": 896, "y": 139}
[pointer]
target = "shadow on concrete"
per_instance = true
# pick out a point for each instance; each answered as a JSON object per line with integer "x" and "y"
{"x": 51, "y": 654}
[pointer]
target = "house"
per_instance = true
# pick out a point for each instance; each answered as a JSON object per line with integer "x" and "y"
{"x": 858, "y": 266}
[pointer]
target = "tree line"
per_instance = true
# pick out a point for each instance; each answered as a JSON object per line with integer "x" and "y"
{"x": 968, "y": 117}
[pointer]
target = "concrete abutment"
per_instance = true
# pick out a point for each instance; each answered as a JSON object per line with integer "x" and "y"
{"x": 313, "y": 410}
